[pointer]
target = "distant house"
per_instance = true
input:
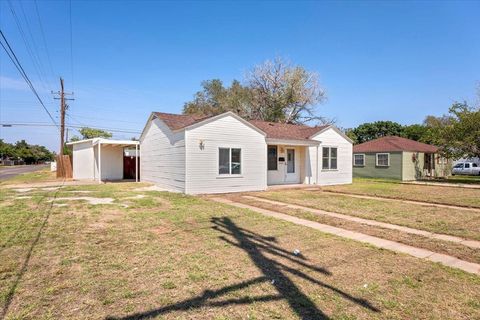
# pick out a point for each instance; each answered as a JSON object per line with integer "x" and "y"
{"x": 398, "y": 158}
{"x": 225, "y": 153}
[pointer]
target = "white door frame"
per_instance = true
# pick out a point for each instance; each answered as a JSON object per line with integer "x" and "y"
{"x": 292, "y": 177}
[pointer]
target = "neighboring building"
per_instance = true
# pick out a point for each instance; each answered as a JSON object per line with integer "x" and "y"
{"x": 226, "y": 153}
{"x": 102, "y": 159}
{"x": 398, "y": 158}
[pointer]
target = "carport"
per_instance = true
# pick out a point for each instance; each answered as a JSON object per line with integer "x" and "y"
{"x": 103, "y": 159}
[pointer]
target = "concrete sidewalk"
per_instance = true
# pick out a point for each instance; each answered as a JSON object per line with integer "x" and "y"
{"x": 375, "y": 241}
{"x": 468, "y": 243}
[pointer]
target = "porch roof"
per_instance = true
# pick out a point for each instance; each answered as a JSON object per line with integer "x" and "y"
{"x": 293, "y": 142}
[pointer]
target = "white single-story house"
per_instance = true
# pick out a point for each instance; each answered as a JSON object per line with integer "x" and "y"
{"x": 225, "y": 153}
{"x": 104, "y": 160}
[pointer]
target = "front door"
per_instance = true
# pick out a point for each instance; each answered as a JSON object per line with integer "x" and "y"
{"x": 291, "y": 173}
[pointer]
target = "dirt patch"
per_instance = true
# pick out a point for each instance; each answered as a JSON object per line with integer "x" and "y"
{"x": 90, "y": 200}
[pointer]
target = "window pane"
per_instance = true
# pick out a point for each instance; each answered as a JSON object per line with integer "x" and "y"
{"x": 324, "y": 163}
{"x": 382, "y": 159}
{"x": 224, "y": 161}
{"x": 236, "y": 161}
{"x": 325, "y": 152}
{"x": 359, "y": 159}
{"x": 467, "y": 165}
{"x": 272, "y": 158}
{"x": 333, "y": 152}
{"x": 333, "y": 163}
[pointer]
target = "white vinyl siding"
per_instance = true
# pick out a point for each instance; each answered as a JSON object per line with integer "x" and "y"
{"x": 343, "y": 173}
{"x": 202, "y": 163}
{"x": 83, "y": 161}
{"x": 162, "y": 157}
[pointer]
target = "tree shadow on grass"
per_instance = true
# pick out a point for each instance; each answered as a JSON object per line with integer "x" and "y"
{"x": 273, "y": 272}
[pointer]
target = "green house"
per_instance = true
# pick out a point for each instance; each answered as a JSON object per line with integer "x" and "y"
{"x": 398, "y": 158}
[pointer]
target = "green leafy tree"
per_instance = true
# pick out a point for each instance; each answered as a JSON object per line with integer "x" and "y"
{"x": 417, "y": 132}
{"x": 89, "y": 133}
{"x": 373, "y": 130}
{"x": 458, "y": 132}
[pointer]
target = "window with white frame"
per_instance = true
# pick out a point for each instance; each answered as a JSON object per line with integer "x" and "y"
{"x": 329, "y": 158}
{"x": 229, "y": 161}
{"x": 359, "y": 160}
{"x": 383, "y": 159}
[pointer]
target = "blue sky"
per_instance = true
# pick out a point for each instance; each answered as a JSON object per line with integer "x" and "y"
{"x": 396, "y": 61}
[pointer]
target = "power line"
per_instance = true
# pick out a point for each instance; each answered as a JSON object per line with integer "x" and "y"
{"x": 36, "y": 51}
{"x": 13, "y": 57}
{"x": 44, "y": 39}
{"x": 71, "y": 44}
{"x": 27, "y": 45}
{"x": 39, "y": 124}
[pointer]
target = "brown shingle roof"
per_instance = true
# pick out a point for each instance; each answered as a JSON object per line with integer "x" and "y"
{"x": 392, "y": 144}
{"x": 179, "y": 121}
{"x": 277, "y": 130}
{"x": 272, "y": 129}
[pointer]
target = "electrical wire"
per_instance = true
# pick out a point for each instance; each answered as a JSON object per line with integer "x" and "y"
{"x": 13, "y": 57}
{"x": 39, "y": 124}
{"x": 27, "y": 45}
{"x": 44, "y": 39}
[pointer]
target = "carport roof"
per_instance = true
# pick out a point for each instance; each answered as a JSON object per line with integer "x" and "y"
{"x": 96, "y": 141}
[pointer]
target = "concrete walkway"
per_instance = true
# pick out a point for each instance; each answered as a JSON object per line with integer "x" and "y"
{"x": 378, "y": 242}
{"x": 469, "y": 243}
{"x": 422, "y": 203}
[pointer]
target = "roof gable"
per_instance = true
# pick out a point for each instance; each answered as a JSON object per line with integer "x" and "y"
{"x": 393, "y": 144}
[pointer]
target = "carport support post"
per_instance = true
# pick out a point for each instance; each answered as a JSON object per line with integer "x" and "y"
{"x": 99, "y": 162}
{"x": 136, "y": 163}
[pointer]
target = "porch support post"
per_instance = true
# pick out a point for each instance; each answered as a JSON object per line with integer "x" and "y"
{"x": 99, "y": 162}
{"x": 136, "y": 163}
{"x": 317, "y": 167}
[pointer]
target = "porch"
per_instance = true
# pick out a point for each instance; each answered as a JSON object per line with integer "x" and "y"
{"x": 292, "y": 162}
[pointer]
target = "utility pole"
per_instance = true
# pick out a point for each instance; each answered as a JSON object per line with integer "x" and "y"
{"x": 63, "y": 108}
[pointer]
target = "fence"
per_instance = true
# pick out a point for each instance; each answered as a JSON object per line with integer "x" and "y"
{"x": 64, "y": 167}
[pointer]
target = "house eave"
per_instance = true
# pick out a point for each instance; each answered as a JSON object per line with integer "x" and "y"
{"x": 293, "y": 142}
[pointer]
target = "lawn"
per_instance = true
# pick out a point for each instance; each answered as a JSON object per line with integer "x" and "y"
{"x": 434, "y": 194}
{"x": 457, "y": 222}
{"x": 170, "y": 256}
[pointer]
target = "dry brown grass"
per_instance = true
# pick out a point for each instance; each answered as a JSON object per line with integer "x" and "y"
{"x": 434, "y": 194}
{"x": 445, "y": 247}
{"x": 462, "y": 223}
{"x": 194, "y": 259}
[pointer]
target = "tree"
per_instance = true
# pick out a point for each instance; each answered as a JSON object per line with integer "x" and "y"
{"x": 417, "y": 132}
{"x": 273, "y": 91}
{"x": 457, "y": 133}
{"x": 282, "y": 92}
{"x": 75, "y": 138}
{"x": 89, "y": 133}
{"x": 373, "y": 130}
